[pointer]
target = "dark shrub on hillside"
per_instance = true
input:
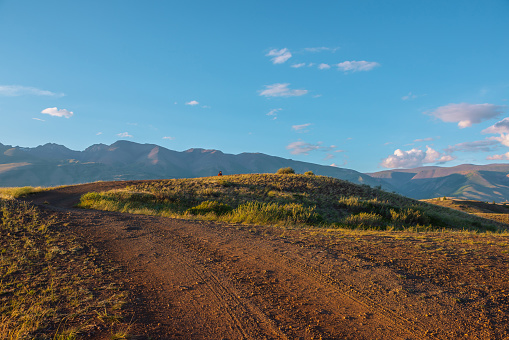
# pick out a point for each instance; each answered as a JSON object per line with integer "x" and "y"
{"x": 285, "y": 171}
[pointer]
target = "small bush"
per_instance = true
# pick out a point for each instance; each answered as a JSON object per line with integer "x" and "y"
{"x": 285, "y": 171}
{"x": 259, "y": 213}
{"x": 364, "y": 220}
{"x": 309, "y": 173}
{"x": 210, "y": 207}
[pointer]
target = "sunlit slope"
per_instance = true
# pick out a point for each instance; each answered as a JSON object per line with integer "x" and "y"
{"x": 283, "y": 199}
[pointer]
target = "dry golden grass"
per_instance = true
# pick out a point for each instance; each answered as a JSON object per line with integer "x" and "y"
{"x": 51, "y": 286}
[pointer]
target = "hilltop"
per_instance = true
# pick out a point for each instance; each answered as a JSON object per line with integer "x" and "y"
{"x": 283, "y": 199}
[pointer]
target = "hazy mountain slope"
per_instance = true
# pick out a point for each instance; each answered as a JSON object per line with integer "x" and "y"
{"x": 478, "y": 182}
{"x": 53, "y": 164}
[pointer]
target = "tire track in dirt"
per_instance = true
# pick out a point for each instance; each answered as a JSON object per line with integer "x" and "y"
{"x": 403, "y": 325}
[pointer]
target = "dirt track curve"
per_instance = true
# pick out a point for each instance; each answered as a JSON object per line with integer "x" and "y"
{"x": 203, "y": 280}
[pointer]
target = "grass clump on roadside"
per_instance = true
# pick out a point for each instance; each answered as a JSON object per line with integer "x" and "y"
{"x": 50, "y": 285}
{"x": 283, "y": 199}
{"x": 17, "y": 192}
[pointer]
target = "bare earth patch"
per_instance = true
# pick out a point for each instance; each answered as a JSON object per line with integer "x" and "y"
{"x": 203, "y": 280}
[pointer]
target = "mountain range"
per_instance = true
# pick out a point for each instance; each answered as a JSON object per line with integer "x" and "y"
{"x": 52, "y": 164}
{"x": 466, "y": 181}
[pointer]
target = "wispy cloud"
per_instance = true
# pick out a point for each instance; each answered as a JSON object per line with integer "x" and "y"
{"x": 281, "y": 90}
{"x": 323, "y": 66}
{"x": 301, "y": 128}
{"x": 477, "y": 146}
{"x": 298, "y": 65}
{"x": 192, "y": 103}
{"x": 356, "y": 66}
{"x": 279, "y": 56}
{"x": 467, "y": 114}
{"x": 429, "y": 139}
{"x": 320, "y": 49}
{"x": 504, "y": 157}
{"x": 53, "y": 111}
{"x": 499, "y": 127}
{"x": 39, "y": 119}
{"x": 303, "y": 148}
{"x": 273, "y": 113}
{"x": 411, "y": 96}
{"x": 415, "y": 158}
{"x": 169, "y": 138}
{"x": 17, "y": 90}
{"x": 124, "y": 135}
{"x": 99, "y": 133}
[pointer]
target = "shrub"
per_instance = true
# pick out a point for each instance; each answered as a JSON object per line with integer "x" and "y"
{"x": 409, "y": 217}
{"x": 210, "y": 207}
{"x": 257, "y": 212}
{"x": 309, "y": 173}
{"x": 285, "y": 171}
{"x": 363, "y": 220}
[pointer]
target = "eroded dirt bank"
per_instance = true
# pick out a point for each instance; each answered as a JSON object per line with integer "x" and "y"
{"x": 202, "y": 280}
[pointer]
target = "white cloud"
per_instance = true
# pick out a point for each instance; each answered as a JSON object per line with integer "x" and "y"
{"x": 192, "y": 103}
{"x": 323, "y": 66}
{"x": 300, "y": 128}
{"x": 281, "y": 90}
{"x": 99, "y": 133}
{"x": 503, "y": 139}
{"x": 414, "y": 158}
{"x": 303, "y": 148}
{"x": 16, "y": 90}
{"x": 39, "y": 119}
{"x": 467, "y": 114}
{"x": 169, "y": 138}
{"x": 329, "y": 156}
{"x": 499, "y": 127}
{"x": 298, "y": 65}
{"x": 53, "y": 111}
{"x": 355, "y": 66}
{"x": 273, "y": 113}
{"x": 124, "y": 135}
{"x": 504, "y": 156}
{"x": 279, "y": 56}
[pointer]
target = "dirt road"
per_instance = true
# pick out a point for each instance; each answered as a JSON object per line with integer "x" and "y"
{"x": 202, "y": 280}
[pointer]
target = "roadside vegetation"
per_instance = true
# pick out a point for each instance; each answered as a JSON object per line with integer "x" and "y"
{"x": 51, "y": 286}
{"x": 17, "y": 192}
{"x": 284, "y": 199}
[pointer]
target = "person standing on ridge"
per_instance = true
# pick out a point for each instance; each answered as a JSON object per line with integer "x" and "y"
{"x": 220, "y": 173}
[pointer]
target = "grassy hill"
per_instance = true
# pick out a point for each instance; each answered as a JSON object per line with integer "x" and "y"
{"x": 494, "y": 211}
{"x": 284, "y": 200}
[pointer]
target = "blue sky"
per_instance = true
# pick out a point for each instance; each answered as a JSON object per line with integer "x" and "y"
{"x": 366, "y": 85}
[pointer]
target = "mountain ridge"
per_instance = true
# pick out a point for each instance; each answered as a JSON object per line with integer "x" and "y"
{"x": 466, "y": 181}
{"x": 52, "y": 164}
